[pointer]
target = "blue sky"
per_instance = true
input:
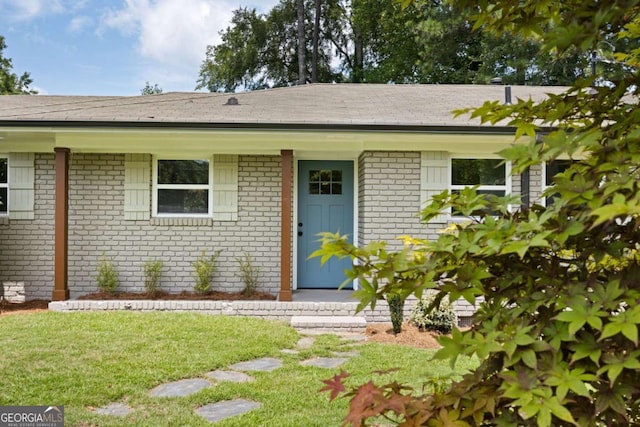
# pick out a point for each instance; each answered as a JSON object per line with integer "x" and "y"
{"x": 112, "y": 47}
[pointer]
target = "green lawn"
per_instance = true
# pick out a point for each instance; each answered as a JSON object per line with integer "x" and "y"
{"x": 88, "y": 360}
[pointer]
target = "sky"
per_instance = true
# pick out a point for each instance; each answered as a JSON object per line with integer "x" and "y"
{"x": 113, "y": 47}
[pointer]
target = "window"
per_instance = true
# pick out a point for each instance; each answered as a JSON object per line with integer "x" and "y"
{"x": 490, "y": 175}
{"x": 325, "y": 182}
{"x": 551, "y": 169}
{"x": 4, "y": 185}
{"x": 182, "y": 187}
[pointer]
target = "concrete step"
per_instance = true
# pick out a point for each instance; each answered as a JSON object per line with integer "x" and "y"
{"x": 330, "y": 323}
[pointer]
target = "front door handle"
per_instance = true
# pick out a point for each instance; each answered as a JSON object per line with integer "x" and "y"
{"x": 299, "y": 233}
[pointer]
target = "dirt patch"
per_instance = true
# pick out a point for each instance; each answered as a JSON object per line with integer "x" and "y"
{"x": 7, "y": 308}
{"x": 410, "y": 335}
{"x": 214, "y": 295}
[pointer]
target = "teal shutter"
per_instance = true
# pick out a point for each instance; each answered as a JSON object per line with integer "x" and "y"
{"x": 137, "y": 187}
{"x": 21, "y": 185}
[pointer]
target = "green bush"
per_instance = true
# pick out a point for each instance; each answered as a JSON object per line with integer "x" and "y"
{"x": 204, "y": 268}
{"x": 396, "y": 310}
{"x": 107, "y": 275}
{"x": 432, "y": 315}
{"x": 250, "y": 274}
{"x": 152, "y": 273}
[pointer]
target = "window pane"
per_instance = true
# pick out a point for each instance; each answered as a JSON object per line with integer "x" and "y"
{"x": 3, "y": 170}
{"x": 183, "y": 201}
{"x": 325, "y": 188}
{"x": 336, "y": 175}
{"x": 183, "y": 171}
{"x": 314, "y": 188}
{"x": 314, "y": 176}
{"x": 553, "y": 168}
{"x": 336, "y": 188}
{"x": 3, "y": 200}
{"x": 478, "y": 172}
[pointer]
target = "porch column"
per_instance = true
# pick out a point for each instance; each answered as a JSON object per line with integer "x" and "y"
{"x": 285, "y": 230}
{"x": 60, "y": 288}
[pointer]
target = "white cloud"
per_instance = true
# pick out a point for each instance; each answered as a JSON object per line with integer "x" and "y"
{"x": 29, "y": 9}
{"x": 171, "y": 32}
{"x": 79, "y": 23}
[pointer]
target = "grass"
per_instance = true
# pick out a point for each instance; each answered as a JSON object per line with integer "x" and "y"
{"x": 88, "y": 360}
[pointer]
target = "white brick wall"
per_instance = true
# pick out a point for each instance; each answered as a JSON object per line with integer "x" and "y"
{"x": 389, "y": 198}
{"x": 96, "y": 224}
{"x": 26, "y": 246}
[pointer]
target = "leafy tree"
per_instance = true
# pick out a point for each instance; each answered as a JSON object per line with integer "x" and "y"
{"x": 557, "y": 333}
{"x": 150, "y": 90}
{"x": 261, "y": 50}
{"x": 11, "y": 83}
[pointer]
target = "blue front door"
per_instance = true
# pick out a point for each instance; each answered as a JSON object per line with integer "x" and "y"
{"x": 325, "y": 204}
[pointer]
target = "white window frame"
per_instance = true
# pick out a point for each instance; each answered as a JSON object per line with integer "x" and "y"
{"x": 6, "y": 185}
{"x": 156, "y": 187}
{"x": 507, "y": 170}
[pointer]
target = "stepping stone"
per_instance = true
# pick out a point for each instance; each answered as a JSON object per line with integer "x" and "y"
{"x": 229, "y": 408}
{"x": 179, "y": 388}
{"x": 305, "y": 342}
{"x": 236, "y": 377}
{"x": 114, "y": 409}
{"x": 266, "y": 364}
{"x": 346, "y": 353}
{"x": 324, "y": 362}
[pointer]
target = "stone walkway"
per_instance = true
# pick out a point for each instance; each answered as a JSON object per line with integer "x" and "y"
{"x": 217, "y": 411}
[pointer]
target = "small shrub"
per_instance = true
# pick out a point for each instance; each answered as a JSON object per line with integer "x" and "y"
{"x": 204, "y": 268}
{"x": 430, "y": 315}
{"x": 152, "y": 273}
{"x": 250, "y": 274}
{"x": 396, "y": 310}
{"x": 107, "y": 275}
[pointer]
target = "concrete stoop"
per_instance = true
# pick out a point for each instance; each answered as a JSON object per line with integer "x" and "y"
{"x": 330, "y": 323}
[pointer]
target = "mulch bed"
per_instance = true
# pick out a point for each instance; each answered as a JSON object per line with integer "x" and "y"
{"x": 214, "y": 295}
{"x": 410, "y": 335}
{"x": 9, "y": 307}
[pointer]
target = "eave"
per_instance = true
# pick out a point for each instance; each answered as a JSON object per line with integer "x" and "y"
{"x": 193, "y": 138}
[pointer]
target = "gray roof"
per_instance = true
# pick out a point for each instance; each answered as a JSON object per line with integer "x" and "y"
{"x": 314, "y": 104}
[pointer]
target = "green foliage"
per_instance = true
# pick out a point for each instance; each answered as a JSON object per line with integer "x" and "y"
{"x": 371, "y": 41}
{"x": 434, "y": 315}
{"x": 250, "y": 274}
{"x": 204, "y": 268}
{"x": 557, "y": 330}
{"x": 150, "y": 90}
{"x": 152, "y": 273}
{"x": 10, "y": 82}
{"x": 396, "y": 311}
{"x": 107, "y": 275}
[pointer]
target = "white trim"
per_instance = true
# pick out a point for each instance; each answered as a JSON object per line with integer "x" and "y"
{"x": 155, "y": 187}
{"x": 6, "y": 185}
{"x": 294, "y": 224}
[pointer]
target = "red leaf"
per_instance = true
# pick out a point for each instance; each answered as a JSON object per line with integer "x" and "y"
{"x": 335, "y": 385}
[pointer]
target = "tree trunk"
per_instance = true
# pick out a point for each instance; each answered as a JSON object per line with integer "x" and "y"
{"x": 302, "y": 73}
{"x": 358, "y": 54}
{"x": 316, "y": 42}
